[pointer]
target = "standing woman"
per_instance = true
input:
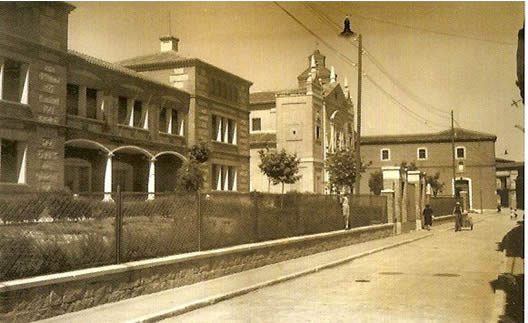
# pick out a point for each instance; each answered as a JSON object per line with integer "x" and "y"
{"x": 346, "y": 211}
{"x": 428, "y": 216}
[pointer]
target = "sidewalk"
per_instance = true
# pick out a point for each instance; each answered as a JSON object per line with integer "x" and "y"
{"x": 153, "y": 307}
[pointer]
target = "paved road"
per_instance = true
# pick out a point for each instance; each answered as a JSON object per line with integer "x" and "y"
{"x": 444, "y": 278}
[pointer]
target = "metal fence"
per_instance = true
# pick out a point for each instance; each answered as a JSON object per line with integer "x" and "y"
{"x": 42, "y": 233}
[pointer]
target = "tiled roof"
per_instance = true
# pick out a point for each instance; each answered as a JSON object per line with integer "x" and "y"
{"x": 157, "y": 58}
{"x": 262, "y": 97}
{"x": 168, "y": 58}
{"x": 262, "y": 139}
{"x": 119, "y": 69}
{"x": 443, "y": 136}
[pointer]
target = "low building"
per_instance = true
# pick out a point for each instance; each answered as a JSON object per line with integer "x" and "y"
{"x": 510, "y": 183}
{"x": 69, "y": 120}
{"x": 432, "y": 153}
{"x": 312, "y": 121}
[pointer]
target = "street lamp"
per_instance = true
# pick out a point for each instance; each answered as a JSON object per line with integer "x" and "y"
{"x": 347, "y": 33}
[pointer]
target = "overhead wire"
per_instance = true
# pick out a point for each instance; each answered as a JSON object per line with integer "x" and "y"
{"x": 436, "y": 111}
{"x": 348, "y": 60}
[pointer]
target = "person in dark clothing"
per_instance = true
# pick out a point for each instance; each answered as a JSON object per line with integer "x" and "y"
{"x": 428, "y": 216}
{"x": 457, "y": 211}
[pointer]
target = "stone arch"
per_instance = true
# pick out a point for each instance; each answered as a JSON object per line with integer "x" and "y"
{"x": 132, "y": 147}
{"x": 87, "y": 142}
{"x": 171, "y": 153}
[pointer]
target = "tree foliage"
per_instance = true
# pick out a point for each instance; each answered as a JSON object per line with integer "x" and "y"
{"x": 341, "y": 167}
{"x": 280, "y": 167}
{"x": 199, "y": 153}
{"x": 189, "y": 177}
{"x": 436, "y": 186}
{"x": 376, "y": 182}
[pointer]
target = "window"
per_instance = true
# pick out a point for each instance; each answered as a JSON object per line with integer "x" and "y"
{"x": 318, "y": 127}
{"x": 224, "y": 178}
{"x": 422, "y": 153}
{"x": 173, "y": 117}
{"x": 137, "y": 114}
{"x": 460, "y": 152}
{"x": 12, "y": 161}
{"x": 385, "y": 154}
{"x": 91, "y": 103}
{"x": 163, "y": 120}
{"x": 256, "y": 124}
{"x": 72, "y": 99}
{"x": 122, "y": 106}
{"x": 14, "y": 78}
{"x": 223, "y": 130}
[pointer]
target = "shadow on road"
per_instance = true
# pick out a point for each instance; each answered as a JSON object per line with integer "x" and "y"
{"x": 512, "y": 280}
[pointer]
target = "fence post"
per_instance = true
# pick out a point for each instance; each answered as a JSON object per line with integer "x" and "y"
{"x": 118, "y": 224}
{"x": 389, "y": 194}
{"x": 255, "y": 197}
{"x": 199, "y": 220}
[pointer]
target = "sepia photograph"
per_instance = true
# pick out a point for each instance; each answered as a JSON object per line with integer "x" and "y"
{"x": 262, "y": 161}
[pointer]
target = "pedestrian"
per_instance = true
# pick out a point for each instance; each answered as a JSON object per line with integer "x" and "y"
{"x": 428, "y": 217}
{"x": 346, "y": 211}
{"x": 457, "y": 211}
{"x": 498, "y": 208}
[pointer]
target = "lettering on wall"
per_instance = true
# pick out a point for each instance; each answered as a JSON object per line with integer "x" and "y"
{"x": 48, "y": 100}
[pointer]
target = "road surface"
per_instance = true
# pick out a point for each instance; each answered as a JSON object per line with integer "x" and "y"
{"x": 444, "y": 278}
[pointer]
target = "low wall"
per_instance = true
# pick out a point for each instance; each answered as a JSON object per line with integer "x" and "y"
{"x": 51, "y": 295}
{"x": 443, "y": 219}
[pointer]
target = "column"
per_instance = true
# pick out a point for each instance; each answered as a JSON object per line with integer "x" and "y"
{"x": 226, "y": 177}
{"x": 234, "y": 133}
{"x": 235, "y": 175}
{"x": 108, "y": 178}
{"x": 99, "y": 113}
{"x": 130, "y": 112}
{"x": 413, "y": 178}
{"x": 24, "y": 96}
{"x": 219, "y": 178}
{"x": 23, "y": 163}
{"x": 404, "y": 199}
{"x": 226, "y": 130}
{"x": 219, "y": 132}
{"x": 391, "y": 181}
{"x": 152, "y": 179}
{"x": 181, "y": 119}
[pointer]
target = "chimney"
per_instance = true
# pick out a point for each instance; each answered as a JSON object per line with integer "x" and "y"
{"x": 169, "y": 43}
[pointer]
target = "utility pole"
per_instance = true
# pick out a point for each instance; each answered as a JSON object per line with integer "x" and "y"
{"x": 453, "y": 152}
{"x": 358, "y": 136}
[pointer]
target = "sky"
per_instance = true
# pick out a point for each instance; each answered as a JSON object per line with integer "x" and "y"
{"x": 421, "y": 59}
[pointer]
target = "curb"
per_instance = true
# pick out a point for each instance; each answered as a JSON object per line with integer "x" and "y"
{"x": 500, "y": 295}
{"x": 221, "y": 297}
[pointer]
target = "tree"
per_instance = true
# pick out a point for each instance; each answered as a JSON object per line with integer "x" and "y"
{"x": 279, "y": 167}
{"x": 342, "y": 172}
{"x": 199, "y": 153}
{"x": 189, "y": 177}
{"x": 436, "y": 186}
{"x": 411, "y": 166}
{"x": 376, "y": 182}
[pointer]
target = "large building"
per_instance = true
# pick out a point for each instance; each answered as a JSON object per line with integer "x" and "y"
{"x": 313, "y": 120}
{"x": 432, "y": 153}
{"x": 68, "y": 120}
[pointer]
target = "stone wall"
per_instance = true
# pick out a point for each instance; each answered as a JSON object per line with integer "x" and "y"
{"x": 51, "y": 295}
{"x": 438, "y": 220}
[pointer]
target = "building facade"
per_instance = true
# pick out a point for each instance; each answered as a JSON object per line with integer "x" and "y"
{"x": 432, "y": 153}
{"x": 218, "y": 110}
{"x": 510, "y": 183}
{"x": 313, "y": 120}
{"x": 68, "y": 120}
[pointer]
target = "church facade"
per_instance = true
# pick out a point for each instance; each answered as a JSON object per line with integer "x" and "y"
{"x": 313, "y": 120}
